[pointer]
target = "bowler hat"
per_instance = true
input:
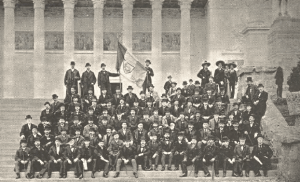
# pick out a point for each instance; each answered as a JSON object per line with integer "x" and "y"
{"x": 164, "y": 95}
{"x": 242, "y": 138}
{"x": 115, "y": 133}
{"x": 191, "y": 80}
{"x": 259, "y": 135}
{"x": 232, "y": 64}
{"x": 249, "y": 79}
{"x": 46, "y": 103}
{"x": 174, "y": 83}
{"x": 178, "y": 89}
{"x": 129, "y": 88}
{"x": 184, "y": 83}
{"x": 220, "y": 61}
{"x": 260, "y": 85}
{"x": 87, "y": 64}
{"x": 225, "y": 139}
{"x": 169, "y": 76}
{"x": 142, "y": 92}
{"x": 210, "y": 137}
{"x": 102, "y": 64}
{"x": 206, "y": 63}
{"x": 77, "y": 105}
{"x": 197, "y": 82}
{"x": 72, "y": 63}
{"x": 54, "y": 96}
{"x": 23, "y": 141}
{"x": 148, "y": 61}
{"x": 151, "y": 85}
{"x": 28, "y": 117}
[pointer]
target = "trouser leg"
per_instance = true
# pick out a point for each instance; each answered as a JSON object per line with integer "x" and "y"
{"x": 163, "y": 160}
{"x": 145, "y": 161}
{"x": 235, "y": 167}
{"x": 28, "y": 167}
{"x": 184, "y": 167}
{"x": 50, "y": 165}
{"x": 44, "y": 168}
{"x": 247, "y": 167}
{"x": 79, "y": 165}
{"x": 119, "y": 162}
{"x": 106, "y": 170}
{"x": 134, "y": 166}
{"x": 216, "y": 166}
{"x": 196, "y": 166}
{"x": 17, "y": 166}
{"x": 205, "y": 168}
{"x": 177, "y": 160}
{"x": 94, "y": 165}
{"x": 225, "y": 165}
{"x": 170, "y": 160}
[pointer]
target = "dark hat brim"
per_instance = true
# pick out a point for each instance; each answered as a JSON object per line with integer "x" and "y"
{"x": 206, "y": 63}
{"x": 222, "y": 62}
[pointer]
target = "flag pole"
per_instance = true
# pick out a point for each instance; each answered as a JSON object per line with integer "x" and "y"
{"x": 120, "y": 81}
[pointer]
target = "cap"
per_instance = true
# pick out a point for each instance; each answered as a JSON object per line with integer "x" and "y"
{"x": 260, "y": 85}
{"x": 58, "y": 139}
{"x": 129, "y": 88}
{"x": 210, "y": 137}
{"x": 242, "y": 138}
{"x": 190, "y": 80}
{"x": 142, "y": 92}
{"x": 259, "y": 135}
{"x": 77, "y": 105}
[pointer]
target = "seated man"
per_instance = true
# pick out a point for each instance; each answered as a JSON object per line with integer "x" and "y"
{"x": 114, "y": 150}
{"x": 220, "y": 133}
{"x": 189, "y": 110}
{"x": 147, "y": 125}
{"x": 127, "y": 156}
{"x": 157, "y": 131}
{"x": 154, "y": 151}
{"x": 87, "y": 100}
{"x": 46, "y": 113}
{"x": 86, "y": 153}
{"x": 192, "y": 157}
{"x": 196, "y": 98}
{"x": 132, "y": 120}
{"x": 64, "y": 138}
{"x": 214, "y": 122}
{"x": 167, "y": 119}
{"x": 62, "y": 125}
{"x": 58, "y": 156}
{"x": 155, "y": 118}
{"x": 26, "y": 129}
{"x": 76, "y": 126}
{"x": 125, "y": 133}
{"x": 237, "y": 114}
{"x": 41, "y": 126}
{"x": 90, "y": 125}
{"x": 210, "y": 156}
{"x": 226, "y": 155}
{"x": 242, "y": 158}
{"x": 31, "y": 138}
{"x": 139, "y": 133}
{"x": 74, "y": 155}
{"x": 181, "y": 122}
{"x": 190, "y": 132}
{"x": 180, "y": 147}
{"x": 167, "y": 149}
{"x": 22, "y": 158}
{"x": 142, "y": 152}
{"x": 101, "y": 157}
{"x": 108, "y": 136}
{"x": 137, "y": 108}
{"x": 39, "y": 159}
{"x": 262, "y": 154}
{"x": 47, "y": 141}
{"x": 251, "y": 131}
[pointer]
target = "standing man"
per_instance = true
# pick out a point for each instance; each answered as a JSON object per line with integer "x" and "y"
{"x": 219, "y": 76}
{"x": 103, "y": 78}
{"x": 168, "y": 84}
{"x": 260, "y": 102}
{"x": 251, "y": 91}
{"x": 72, "y": 77}
{"x": 204, "y": 73}
{"x": 279, "y": 81}
{"x": 150, "y": 73}
{"x": 88, "y": 80}
{"x": 233, "y": 79}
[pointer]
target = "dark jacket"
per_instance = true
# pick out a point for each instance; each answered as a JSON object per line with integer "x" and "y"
{"x": 154, "y": 147}
{"x": 167, "y": 147}
{"x": 71, "y": 78}
{"x": 61, "y": 155}
{"x": 26, "y": 131}
{"x": 103, "y": 77}
{"x": 127, "y": 152}
{"x": 44, "y": 140}
{"x": 36, "y": 154}
{"x": 261, "y": 107}
{"x": 264, "y": 151}
{"x": 204, "y": 75}
{"x": 23, "y": 155}
{"x": 98, "y": 152}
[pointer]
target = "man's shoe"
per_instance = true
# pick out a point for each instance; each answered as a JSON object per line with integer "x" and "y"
{"x": 207, "y": 175}
{"x": 258, "y": 174}
{"x": 135, "y": 175}
{"x": 151, "y": 169}
{"x": 93, "y": 175}
{"x": 18, "y": 176}
{"x": 49, "y": 176}
{"x": 76, "y": 176}
{"x": 266, "y": 173}
{"x": 60, "y": 176}
{"x": 111, "y": 168}
{"x": 247, "y": 174}
{"x": 162, "y": 168}
{"x": 241, "y": 175}
{"x": 105, "y": 175}
{"x": 176, "y": 169}
{"x": 116, "y": 175}
{"x": 80, "y": 176}
{"x": 224, "y": 175}
{"x": 28, "y": 176}
{"x": 155, "y": 168}
{"x": 183, "y": 175}
{"x": 196, "y": 175}
{"x": 235, "y": 175}
{"x": 217, "y": 175}
{"x": 39, "y": 176}
{"x": 169, "y": 168}
{"x": 64, "y": 176}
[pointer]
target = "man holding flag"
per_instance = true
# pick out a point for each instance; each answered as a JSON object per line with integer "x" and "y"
{"x": 103, "y": 79}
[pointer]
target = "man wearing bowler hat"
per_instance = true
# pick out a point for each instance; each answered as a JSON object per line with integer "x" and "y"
{"x": 251, "y": 91}
{"x": 72, "y": 77}
{"x": 168, "y": 84}
{"x": 88, "y": 80}
{"x": 204, "y": 73}
{"x": 22, "y": 159}
{"x": 150, "y": 73}
{"x": 233, "y": 79}
{"x": 103, "y": 78}
{"x": 260, "y": 102}
{"x": 219, "y": 76}
{"x": 130, "y": 97}
{"x": 26, "y": 129}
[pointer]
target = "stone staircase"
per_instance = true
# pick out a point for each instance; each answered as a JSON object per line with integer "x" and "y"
{"x": 13, "y": 112}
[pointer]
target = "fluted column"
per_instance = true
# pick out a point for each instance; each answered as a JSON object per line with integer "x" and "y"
{"x": 185, "y": 38}
{"x": 69, "y": 30}
{"x": 39, "y": 48}
{"x": 156, "y": 41}
{"x": 127, "y": 23}
{"x": 8, "y": 48}
{"x": 98, "y": 32}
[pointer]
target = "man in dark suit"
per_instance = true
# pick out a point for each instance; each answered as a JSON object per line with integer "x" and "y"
{"x": 175, "y": 108}
{"x": 71, "y": 78}
{"x": 154, "y": 151}
{"x": 104, "y": 96}
{"x": 46, "y": 113}
{"x": 140, "y": 133}
{"x": 56, "y": 104}
{"x": 179, "y": 97}
{"x": 39, "y": 159}
{"x": 204, "y": 73}
{"x": 130, "y": 97}
{"x": 251, "y": 91}
{"x": 58, "y": 155}
{"x": 22, "y": 158}
{"x": 237, "y": 114}
{"x": 241, "y": 158}
{"x": 125, "y": 133}
{"x": 142, "y": 153}
{"x": 74, "y": 155}
{"x": 210, "y": 155}
{"x": 233, "y": 79}
{"x": 88, "y": 80}
{"x": 26, "y": 129}
{"x": 190, "y": 132}
{"x": 69, "y": 99}
{"x": 103, "y": 78}
{"x": 101, "y": 157}
{"x": 251, "y": 130}
{"x": 149, "y": 74}
{"x": 116, "y": 97}
{"x": 114, "y": 150}
{"x": 168, "y": 84}
{"x": 260, "y": 103}
{"x": 219, "y": 76}
{"x": 31, "y": 138}
{"x": 167, "y": 150}
{"x": 48, "y": 140}
{"x": 262, "y": 154}
{"x": 127, "y": 156}
{"x": 226, "y": 155}
{"x": 180, "y": 147}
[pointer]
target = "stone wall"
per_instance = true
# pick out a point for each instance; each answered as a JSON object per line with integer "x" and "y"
{"x": 285, "y": 141}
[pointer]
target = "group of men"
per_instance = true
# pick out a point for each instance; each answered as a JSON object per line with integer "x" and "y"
{"x": 194, "y": 125}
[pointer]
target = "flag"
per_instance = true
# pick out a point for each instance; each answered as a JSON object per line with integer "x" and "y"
{"x": 129, "y": 66}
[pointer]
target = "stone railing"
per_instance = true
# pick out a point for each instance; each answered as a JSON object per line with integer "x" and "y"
{"x": 285, "y": 141}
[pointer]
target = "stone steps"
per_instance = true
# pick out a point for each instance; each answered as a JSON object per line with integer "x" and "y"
{"x": 151, "y": 175}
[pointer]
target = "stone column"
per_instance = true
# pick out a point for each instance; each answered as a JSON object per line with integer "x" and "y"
{"x": 127, "y": 23}
{"x": 98, "y": 32}
{"x": 68, "y": 31}
{"x": 8, "y": 48}
{"x": 185, "y": 38}
{"x": 156, "y": 41}
{"x": 39, "y": 48}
